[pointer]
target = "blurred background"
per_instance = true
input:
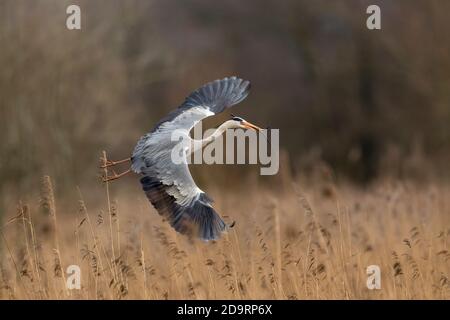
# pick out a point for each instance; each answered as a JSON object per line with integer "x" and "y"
{"x": 362, "y": 104}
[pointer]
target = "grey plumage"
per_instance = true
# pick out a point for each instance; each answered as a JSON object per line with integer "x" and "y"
{"x": 214, "y": 96}
{"x": 169, "y": 186}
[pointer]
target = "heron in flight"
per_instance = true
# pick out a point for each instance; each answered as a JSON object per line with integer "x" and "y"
{"x": 169, "y": 186}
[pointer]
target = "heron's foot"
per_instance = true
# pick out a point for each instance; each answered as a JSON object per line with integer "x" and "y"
{"x": 115, "y": 176}
{"x": 109, "y": 163}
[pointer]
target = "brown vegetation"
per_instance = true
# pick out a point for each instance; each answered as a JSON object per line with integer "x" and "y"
{"x": 309, "y": 241}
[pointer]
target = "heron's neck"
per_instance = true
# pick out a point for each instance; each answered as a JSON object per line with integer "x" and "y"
{"x": 198, "y": 144}
{"x": 219, "y": 131}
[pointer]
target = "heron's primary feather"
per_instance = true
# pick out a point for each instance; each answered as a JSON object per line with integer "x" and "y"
{"x": 214, "y": 96}
{"x": 169, "y": 186}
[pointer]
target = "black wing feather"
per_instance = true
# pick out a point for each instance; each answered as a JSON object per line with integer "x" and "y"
{"x": 216, "y": 96}
{"x": 198, "y": 219}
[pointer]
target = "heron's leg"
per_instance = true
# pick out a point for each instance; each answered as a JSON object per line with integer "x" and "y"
{"x": 116, "y": 176}
{"x": 110, "y": 163}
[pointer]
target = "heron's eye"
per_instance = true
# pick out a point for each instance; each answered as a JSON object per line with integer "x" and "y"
{"x": 238, "y": 119}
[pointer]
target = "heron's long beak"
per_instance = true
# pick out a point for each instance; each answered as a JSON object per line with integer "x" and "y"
{"x": 249, "y": 125}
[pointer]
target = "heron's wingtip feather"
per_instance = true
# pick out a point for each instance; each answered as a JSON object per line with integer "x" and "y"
{"x": 219, "y": 94}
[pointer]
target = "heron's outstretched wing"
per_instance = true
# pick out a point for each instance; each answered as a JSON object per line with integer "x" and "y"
{"x": 214, "y": 97}
{"x": 169, "y": 186}
{"x": 196, "y": 218}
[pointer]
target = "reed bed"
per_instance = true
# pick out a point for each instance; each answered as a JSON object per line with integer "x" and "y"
{"x": 301, "y": 241}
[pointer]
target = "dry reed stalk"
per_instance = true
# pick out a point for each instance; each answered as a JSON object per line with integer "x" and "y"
{"x": 108, "y": 201}
{"x": 97, "y": 243}
{"x": 34, "y": 262}
{"x": 310, "y": 215}
{"x": 278, "y": 251}
{"x": 209, "y": 266}
{"x": 144, "y": 270}
{"x": 77, "y": 244}
{"x": 8, "y": 248}
{"x": 48, "y": 201}
{"x": 233, "y": 266}
{"x": 117, "y": 229}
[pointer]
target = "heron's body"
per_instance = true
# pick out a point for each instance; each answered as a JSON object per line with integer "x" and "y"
{"x": 170, "y": 186}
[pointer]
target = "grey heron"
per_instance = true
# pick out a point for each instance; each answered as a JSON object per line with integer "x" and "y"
{"x": 169, "y": 186}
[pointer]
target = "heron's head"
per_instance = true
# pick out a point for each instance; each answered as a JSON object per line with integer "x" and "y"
{"x": 239, "y": 123}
